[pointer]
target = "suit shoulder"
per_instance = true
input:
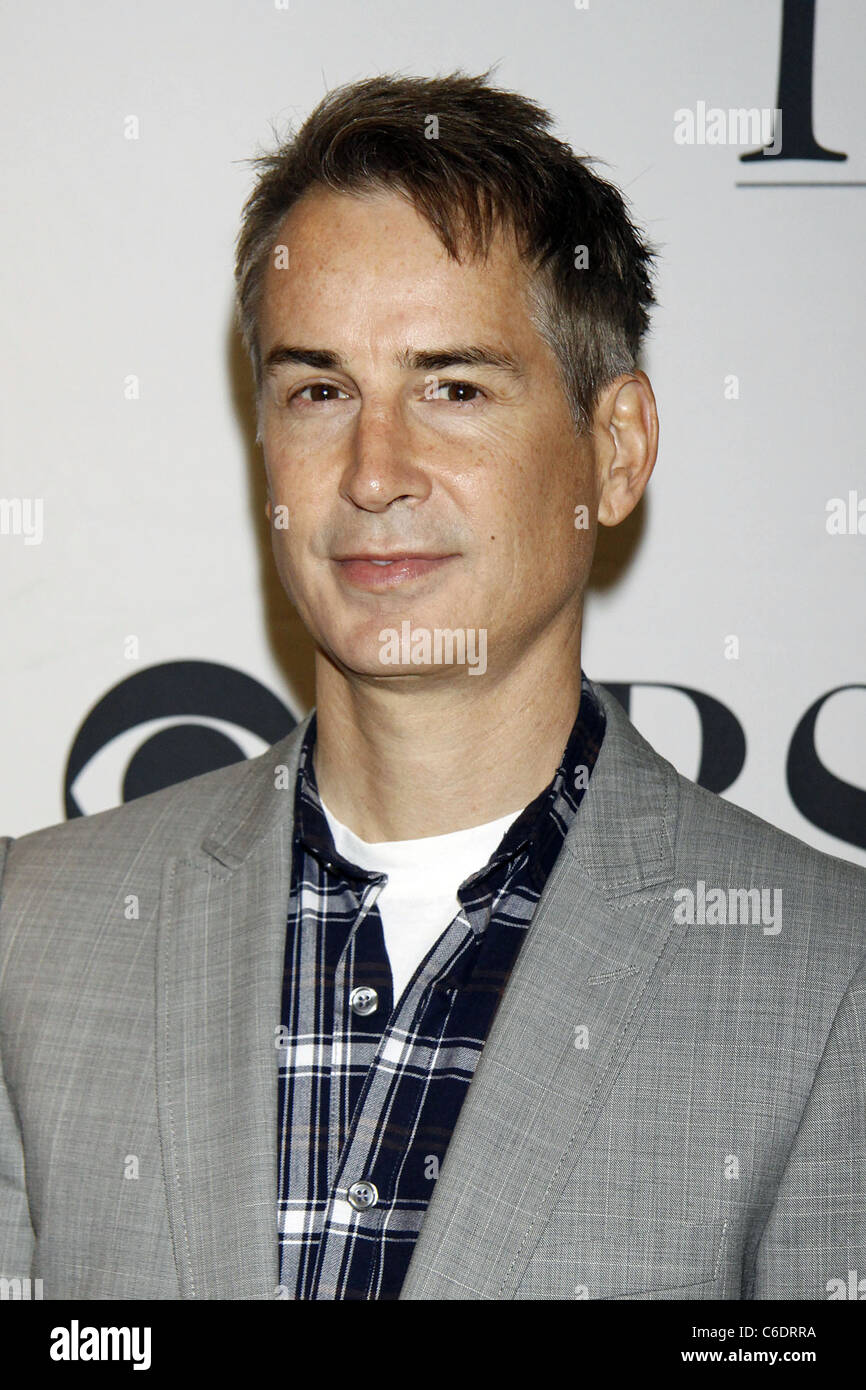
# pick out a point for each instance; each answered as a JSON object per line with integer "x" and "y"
{"x": 823, "y": 897}
{"x": 757, "y": 841}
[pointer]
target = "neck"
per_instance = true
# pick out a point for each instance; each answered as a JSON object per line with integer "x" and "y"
{"x": 426, "y": 755}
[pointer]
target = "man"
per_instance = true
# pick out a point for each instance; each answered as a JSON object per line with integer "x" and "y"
{"x": 460, "y": 991}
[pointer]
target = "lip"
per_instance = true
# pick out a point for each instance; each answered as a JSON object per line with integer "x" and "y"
{"x": 362, "y": 573}
{"x": 392, "y": 555}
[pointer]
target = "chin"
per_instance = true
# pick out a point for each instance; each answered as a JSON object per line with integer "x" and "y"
{"x": 357, "y": 652}
{"x": 366, "y": 664}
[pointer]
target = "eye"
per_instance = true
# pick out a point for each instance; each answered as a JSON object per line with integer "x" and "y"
{"x": 319, "y": 388}
{"x": 459, "y": 390}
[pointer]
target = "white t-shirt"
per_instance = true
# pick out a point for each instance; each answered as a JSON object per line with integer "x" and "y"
{"x": 419, "y": 899}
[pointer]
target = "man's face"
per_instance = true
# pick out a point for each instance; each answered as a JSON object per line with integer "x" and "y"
{"x": 379, "y": 441}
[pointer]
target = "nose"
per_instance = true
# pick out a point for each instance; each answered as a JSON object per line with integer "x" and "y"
{"x": 383, "y": 467}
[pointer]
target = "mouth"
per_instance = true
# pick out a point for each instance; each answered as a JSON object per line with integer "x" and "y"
{"x": 378, "y": 571}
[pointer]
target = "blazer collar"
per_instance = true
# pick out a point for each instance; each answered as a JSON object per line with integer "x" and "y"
{"x": 624, "y": 835}
{"x": 264, "y": 801}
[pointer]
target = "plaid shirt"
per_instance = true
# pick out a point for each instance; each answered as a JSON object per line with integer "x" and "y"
{"x": 370, "y": 1087}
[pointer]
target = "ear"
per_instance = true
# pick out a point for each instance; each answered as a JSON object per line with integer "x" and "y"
{"x": 626, "y": 434}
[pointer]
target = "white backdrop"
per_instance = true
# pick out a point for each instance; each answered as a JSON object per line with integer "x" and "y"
{"x": 117, "y": 278}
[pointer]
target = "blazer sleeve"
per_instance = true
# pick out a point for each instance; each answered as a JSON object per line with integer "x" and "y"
{"x": 16, "y": 1232}
{"x": 814, "y": 1243}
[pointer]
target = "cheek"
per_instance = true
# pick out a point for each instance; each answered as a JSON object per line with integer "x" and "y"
{"x": 285, "y": 466}
{"x": 300, "y": 506}
{"x": 551, "y": 542}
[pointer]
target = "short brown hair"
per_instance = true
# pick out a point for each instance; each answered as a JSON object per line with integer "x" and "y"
{"x": 490, "y": 161}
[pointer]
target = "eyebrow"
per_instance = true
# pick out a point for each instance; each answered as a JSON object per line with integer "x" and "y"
{"x": 435, "y": 360}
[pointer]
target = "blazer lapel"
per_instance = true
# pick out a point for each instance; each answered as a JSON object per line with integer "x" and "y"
{"x": 596, "y": 951}
{"x": 220, "y": 955}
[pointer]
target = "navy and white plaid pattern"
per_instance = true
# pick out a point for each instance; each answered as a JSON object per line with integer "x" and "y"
{"x": 373, "y": 1099}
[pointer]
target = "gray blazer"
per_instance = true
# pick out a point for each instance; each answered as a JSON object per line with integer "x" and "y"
{"x": 663, "y": 1109}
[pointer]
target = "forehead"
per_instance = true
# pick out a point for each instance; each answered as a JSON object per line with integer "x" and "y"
{"x": 373, "y": 265}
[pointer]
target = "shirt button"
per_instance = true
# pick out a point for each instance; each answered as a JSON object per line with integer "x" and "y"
{"x": 364, "y": 1000}
{"x": 362, "y": 1195}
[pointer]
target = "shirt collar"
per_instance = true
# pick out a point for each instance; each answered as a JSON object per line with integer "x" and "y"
{"x": 544, "y": 823}
{"x": 541, "y": 826}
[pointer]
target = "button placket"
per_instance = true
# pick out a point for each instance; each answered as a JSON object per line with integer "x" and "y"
{"x": 348, "y": 1176}
{"x": 339, "y": 1086}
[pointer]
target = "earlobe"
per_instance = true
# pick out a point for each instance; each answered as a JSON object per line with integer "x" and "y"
{"x": 616, "y": 500}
